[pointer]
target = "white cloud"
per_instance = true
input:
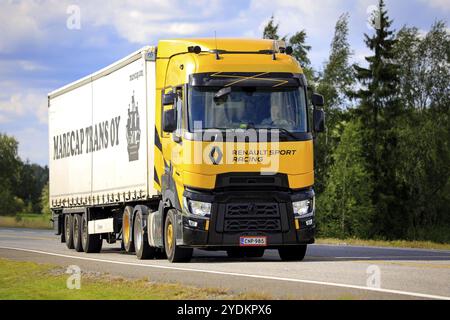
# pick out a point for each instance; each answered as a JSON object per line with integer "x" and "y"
{"x": 438, "y": 4}
{"x": 22, "y": 103}
{"x": 33, "y": 144}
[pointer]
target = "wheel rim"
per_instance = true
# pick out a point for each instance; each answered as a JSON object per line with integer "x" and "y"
{"x": 138, "y": 234}
{"x": 126, "y": 230}
{"x": 169, "y": 236}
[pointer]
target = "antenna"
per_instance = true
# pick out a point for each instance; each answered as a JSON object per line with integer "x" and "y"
{"x": 217, "y": 49}
{"x": 274, "y": 56}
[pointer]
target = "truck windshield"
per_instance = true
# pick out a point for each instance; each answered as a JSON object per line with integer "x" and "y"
{"x": 248, "y": 107}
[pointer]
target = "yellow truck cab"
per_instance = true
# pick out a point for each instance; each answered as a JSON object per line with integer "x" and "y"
{"x": 193, "y": 143}
{"x": 234, "y": 149}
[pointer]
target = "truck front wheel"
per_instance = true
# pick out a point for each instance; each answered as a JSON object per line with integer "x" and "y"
{"x": 68, "y": 230}
{"x": 292, "y": 253}
{"x": 174, "y": 252}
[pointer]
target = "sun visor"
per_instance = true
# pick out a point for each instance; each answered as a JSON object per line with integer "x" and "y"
{"x": 238, "y": 79}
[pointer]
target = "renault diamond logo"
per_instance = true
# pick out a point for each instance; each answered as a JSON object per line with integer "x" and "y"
{"x": 215, "y": 155}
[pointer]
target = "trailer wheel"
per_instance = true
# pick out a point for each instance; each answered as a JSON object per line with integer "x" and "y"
{"x": 127, "y": 229}
{"x": 143, "y": 249}
{"x": 292, "y": 253}
{"x": 174, "y": 253}
{"x": 68, "y": 230}
{"x": 92, "y": 243}
{"x": 77, "y": 221}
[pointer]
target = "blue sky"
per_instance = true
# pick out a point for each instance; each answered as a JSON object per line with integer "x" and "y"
{"x": 39, "y": 52}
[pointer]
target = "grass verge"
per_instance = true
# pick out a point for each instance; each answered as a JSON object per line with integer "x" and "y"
{"x": 26, "y": 221}
{"x": 32, "y": 281}
{"x": 383, "y": 243}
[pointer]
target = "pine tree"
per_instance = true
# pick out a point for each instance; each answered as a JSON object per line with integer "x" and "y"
{"x": 378, "y": 111}
{"x": 300, "y": 48}
{"x": 271, "y": 30}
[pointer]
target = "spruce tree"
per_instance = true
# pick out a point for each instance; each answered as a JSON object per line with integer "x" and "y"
{"x": 378, "y": 111}
{"x": 271, "y": 30}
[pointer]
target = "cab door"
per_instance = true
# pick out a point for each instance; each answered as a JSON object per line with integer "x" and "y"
{"x": 172, "y": 143}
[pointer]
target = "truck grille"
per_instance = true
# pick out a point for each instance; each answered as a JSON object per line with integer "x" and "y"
{"x": 240, "y": 225}
{"x": 252, "y": 210}
{"x": 241, "y": 217}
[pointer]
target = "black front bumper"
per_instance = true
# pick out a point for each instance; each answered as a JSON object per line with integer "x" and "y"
{"x": 225, "y": 229}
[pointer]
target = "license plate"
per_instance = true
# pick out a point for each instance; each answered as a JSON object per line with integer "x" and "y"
{"x": 253, "y": 241}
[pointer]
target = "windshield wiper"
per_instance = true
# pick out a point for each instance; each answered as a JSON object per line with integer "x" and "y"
{"x": 222, "y": 93}
{"x": 286, "y": 132}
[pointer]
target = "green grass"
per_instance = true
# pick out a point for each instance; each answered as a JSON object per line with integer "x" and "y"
{"x": 383, "y": 243}
{"x": 35, "y": 221}
{"x": 32, "y": 281}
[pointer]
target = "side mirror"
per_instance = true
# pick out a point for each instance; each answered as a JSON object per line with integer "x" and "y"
{"x": 170, "y": 121}
{"x": 317, "y": 100}
{"x": 319, "y": 120}
{"x": 168, "y": 99}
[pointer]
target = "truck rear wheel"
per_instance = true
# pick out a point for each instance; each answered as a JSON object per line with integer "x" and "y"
{"x": 292, "y": 253}
{"x": 68, "y": 230}
{"x": 92, "y": 243}
{"x": 127, "y": 230}
{"x": 77, "y": 221}
{"x": 174, "y": 253}
{"x": 143, "y": 249}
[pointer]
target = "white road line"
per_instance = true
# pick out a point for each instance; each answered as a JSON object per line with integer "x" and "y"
{"x": 393, "y": 257}
{"x": 405, "y": 293}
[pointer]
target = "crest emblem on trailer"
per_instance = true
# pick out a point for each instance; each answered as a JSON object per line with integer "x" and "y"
{"x": 133, "y": 130}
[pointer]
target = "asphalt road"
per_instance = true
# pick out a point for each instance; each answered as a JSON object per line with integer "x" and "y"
{"x": 328, "y": 272}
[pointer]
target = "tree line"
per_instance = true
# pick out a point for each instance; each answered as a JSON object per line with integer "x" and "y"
{"x": 23, "y": 185}
{"x": 383, "y": 166}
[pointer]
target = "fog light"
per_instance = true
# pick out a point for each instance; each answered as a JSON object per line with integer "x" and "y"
{"x": 193, "y": 224}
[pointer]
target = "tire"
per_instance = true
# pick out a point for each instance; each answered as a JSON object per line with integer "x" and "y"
{"x": 63, "y": 234}
{"x": 143, "y": 249}
{"x": 92, "y": 243}
{"x": 292, "y": 253}
{"x": 160, "y": 254}
{"x": 174, "y": 253}
{"x": 127, "y": 230}
{"x": 68, "y": 230}
{"x": 77, "y": 221}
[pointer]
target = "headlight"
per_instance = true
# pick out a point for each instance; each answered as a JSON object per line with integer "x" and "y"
{"x": 304, "y": 208}
{"x": 197, "y": 208}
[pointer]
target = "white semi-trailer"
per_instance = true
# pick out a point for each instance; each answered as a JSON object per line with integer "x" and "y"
{"x": 99, "y": 128}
